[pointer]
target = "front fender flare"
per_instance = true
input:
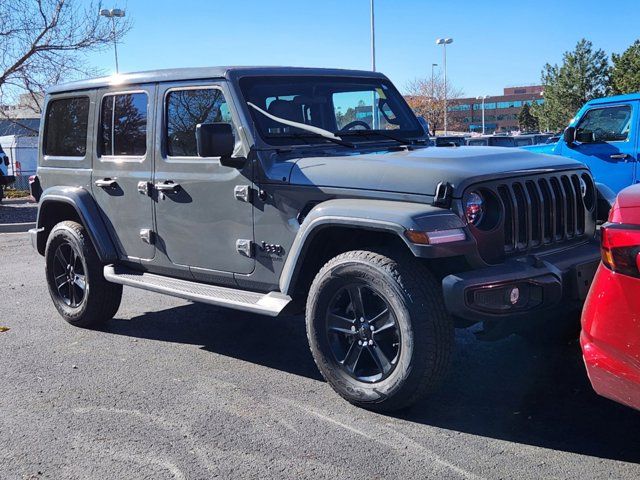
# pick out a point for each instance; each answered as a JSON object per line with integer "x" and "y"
{"x": 605, "y": 200}
{"x": 89, "y": 213}
{"x": 377, "y": 215}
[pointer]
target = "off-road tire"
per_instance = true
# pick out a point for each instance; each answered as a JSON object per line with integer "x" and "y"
{"x": 101, "y": 299}
{"x": 426, "y": 329}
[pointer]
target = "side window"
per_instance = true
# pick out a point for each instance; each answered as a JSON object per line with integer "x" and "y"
{"x": 185, "y": 110}
{"x": 66, "y": 127}
{"x": 611, "y": 124}
{"x": 123, "y": 125}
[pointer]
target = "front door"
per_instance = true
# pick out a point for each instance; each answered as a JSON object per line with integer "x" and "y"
{"x": 123, "y": 163}
{"x": 199, "y": 218}
{"x": 605, "y": 141}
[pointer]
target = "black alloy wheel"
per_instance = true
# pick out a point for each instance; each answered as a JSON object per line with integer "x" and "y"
{"x": 69, "y": 275}
{"x": 363, "y": 333}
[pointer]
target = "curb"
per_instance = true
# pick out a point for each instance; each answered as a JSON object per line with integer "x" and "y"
{"x": 18, "y": 201}
{"x": 16, "y": 227}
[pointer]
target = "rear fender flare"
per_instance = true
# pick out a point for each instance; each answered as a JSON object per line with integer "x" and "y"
{"x": 88, "y": 212}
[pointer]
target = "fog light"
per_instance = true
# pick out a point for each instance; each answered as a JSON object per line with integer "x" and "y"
{"x": 504, "y": 298}
{"x": 514, "y": 295}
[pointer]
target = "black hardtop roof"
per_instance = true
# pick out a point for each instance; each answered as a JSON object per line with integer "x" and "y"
{"x": 199, "y": 73}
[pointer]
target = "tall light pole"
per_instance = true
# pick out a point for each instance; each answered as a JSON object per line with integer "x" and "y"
{"x": 374, "y": 113}
{"x": 112, "y": 14}
{"x": 444, "y": 42}
{"x": 373, "y": 39}
{"x": 433, "y": 85}
{"x": 483, "y": 98}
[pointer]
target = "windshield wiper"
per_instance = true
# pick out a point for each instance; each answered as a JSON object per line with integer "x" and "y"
{"x": 363, "y": 133}
{"x": 314, "y": 132}
{"x": 304, "y": 136}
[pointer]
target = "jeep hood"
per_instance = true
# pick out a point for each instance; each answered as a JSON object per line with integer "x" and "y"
{"x": 419, "y": 171}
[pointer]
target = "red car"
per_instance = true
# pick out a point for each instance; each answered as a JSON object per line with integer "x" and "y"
{"x": 610, "y": 335}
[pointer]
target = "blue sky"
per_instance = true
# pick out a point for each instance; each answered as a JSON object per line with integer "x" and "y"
{"x": 496, "y": 43}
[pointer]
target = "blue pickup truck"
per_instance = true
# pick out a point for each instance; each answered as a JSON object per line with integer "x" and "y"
{"x": 605, "y": 135}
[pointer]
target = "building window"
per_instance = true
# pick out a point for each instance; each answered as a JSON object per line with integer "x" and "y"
{"x": 185, "y": 110}
{"x": 459, "y": 108}
{"x": 66, "y": 127}
{"x": 123, "y": 125}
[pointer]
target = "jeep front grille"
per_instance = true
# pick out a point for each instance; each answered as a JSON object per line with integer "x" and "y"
{"x": 544, "y": 210}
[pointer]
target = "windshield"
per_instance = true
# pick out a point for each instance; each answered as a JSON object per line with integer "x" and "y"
{"x": 353, "y": 109}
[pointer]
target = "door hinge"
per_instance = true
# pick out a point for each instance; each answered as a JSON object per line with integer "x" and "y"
{"x": 242, "y": 193}
{"x": 443, "y": 196}
{"x": 148, "y": 236}
{"x": 244, "y": 247}
{"x": 144, "y": 188}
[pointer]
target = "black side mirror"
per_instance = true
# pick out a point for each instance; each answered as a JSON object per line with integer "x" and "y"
{"x": 585, "y": 137}
{"x": 217, "y": 140}
{"x": 570, "y": 135}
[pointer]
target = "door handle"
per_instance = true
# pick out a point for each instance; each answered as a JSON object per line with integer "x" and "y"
{"x": 106, "y": 183}
{"x": 619, "y": 156}
{"x": 168, "y": 186}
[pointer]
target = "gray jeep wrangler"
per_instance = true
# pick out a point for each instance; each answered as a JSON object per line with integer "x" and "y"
{"x": 270, "y": 190}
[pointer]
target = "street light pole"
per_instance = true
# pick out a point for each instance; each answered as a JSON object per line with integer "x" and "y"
{"x": 373, "y": 39}
{"x": 374, "y": 113}
{"x": 483, "y": 98}
{"x": 112, "y": 14}
{"x": 444, "y": 42}
{"x": 433, "y": 85}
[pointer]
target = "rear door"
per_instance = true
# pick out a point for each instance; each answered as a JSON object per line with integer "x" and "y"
{"x": 605, "y": 141}
{"x": 123, "y": 166}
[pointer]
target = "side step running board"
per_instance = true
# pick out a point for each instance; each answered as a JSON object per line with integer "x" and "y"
{"x": 264, "y": 303}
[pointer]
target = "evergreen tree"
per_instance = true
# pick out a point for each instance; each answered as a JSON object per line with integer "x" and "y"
{"x": 526, "y": 121}
{"x": 625, "y": 74}
{"x": 583, "y": 75}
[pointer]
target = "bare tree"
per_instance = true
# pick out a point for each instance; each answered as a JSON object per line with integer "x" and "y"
{"x": 42, "y": 42}
{"x": 426, "y": 97}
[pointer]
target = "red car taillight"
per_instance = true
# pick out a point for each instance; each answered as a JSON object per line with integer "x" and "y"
{"x": 621, "y": 249}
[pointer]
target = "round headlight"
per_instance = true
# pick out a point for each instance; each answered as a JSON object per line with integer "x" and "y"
{"x": 474, "y": 208}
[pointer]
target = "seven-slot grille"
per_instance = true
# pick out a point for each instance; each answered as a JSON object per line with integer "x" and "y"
{"x": 542, "y": 210}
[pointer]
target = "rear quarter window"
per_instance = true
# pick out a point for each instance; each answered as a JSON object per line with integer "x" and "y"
{"x": 66, "y": 121}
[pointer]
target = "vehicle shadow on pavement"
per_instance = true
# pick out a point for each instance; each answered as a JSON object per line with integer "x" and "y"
{"x": 278, "y": 343}
{"x": 535, "y": 395}
{"x": 508, "y": 390}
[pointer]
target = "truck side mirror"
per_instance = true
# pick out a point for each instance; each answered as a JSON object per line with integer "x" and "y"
{"x": 570, "y": 135}
{"x": 585, "y": 137}
{"x": 217, "y": 140}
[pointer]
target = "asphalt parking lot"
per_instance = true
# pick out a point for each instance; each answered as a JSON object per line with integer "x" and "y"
{"x": 171, "y": 389}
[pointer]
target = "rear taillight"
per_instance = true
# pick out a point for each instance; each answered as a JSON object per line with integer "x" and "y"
{"x": 621, "y": 248}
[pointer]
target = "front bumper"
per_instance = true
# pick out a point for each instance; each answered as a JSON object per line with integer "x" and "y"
{"x": 525, "y": 286}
